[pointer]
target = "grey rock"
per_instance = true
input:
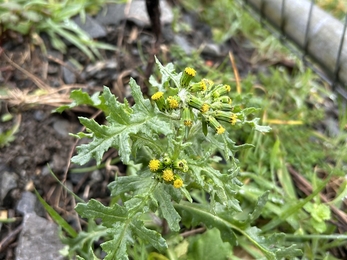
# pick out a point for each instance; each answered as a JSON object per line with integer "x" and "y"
{"x": 91, "y": 26}
{"x": 38, "y": 240}
{"x": 183, "y": 43}
{"x": 61, "y": 126}
{"x": 112, "y": 14}
{"x": 29, "y": 204}
{"x": 8, "y": 181}
{"x": 211, "y": 49}
{"x": 39, "y": 115}
{"x": 332, "y": 126}
{"x": 115, "y": 13}
{"x": 68, "y": 75}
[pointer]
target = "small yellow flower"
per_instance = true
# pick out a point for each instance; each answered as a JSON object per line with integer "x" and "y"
{"x": 190, "y": 71}
{"x": 188, "y": 123}
{"x": 173, "y": 102}
{"x": 181, "y": 165}
{"x": 205, "y": 107}
{"x": 233, "y": 119}
{"x": 168, "y": 175}
{"x": 220, "y": 130}
{"x": 157, "y": 95}
{"x": 154, "y": 165}
{"x": 187, "y": 76}
{"x": 200, "y": 86}
{"x": 220, "y": 90}
{"x": 178, "y": 183}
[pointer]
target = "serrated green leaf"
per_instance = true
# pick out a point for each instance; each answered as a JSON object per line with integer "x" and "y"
{"x": 116, "y": 248}
{"x": 136, "y": 184}
{"x": 141, "y": 105}
{"x": 125, "y": 122}
{"x": 194, "y": 214}
{"x": 166, "y": 208}
{"x": 319, "y": 226}
{"x": 200, "y": 246}
{"x": 260, "y": 128}
{"x": 259, "y": 207}
{"x": 168, "y": 72}
{"x": 148, "y": 236}
{"x": 94, "y": 209}
{"x": 82, "y": 98}
{"x": 321, "y": 212}
{"x": 119, "y": 113}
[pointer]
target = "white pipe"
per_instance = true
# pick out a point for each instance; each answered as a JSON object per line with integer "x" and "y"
{"x": 324, "y": 33}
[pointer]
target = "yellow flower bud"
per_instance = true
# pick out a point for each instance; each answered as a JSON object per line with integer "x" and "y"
{"x": 187, "y": 76}
{"x": 178, "y": 183}
{"x": 168, "y": 175}
{"x": 154, "y": 165}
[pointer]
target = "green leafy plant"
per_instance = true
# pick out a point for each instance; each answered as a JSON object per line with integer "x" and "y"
{"x": 178, "y": 153}
{"x": 53, "y": 18}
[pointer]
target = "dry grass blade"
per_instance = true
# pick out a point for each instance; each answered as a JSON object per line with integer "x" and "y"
{"x": 54, "y": 97}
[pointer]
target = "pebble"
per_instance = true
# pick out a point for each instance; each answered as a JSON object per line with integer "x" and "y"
{"x": 91, "y": 26}
{"x": 39, "y": 239}
{"x": 8, "y": 181}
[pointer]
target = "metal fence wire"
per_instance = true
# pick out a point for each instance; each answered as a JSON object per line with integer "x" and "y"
{"x": 317, "y": 35}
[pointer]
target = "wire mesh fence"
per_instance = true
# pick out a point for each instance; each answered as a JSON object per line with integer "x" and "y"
{"x": 319, "y": 38}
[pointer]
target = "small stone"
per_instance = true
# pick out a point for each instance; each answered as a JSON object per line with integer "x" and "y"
{"x": 211, "y": 49}
{"x": 38, "y": 240}
{"x": 8, "y": 181}
{"x": 183, "y": 43}
{"x": 27, "y": 203}
{"x": 61, "y": 126}
{"x": 91, "y": 26}
{"x": 68, "y": 75}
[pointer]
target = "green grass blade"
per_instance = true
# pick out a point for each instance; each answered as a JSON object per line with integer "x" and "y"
{"x": 277, "y": 221}
{"x": 57, "y": 218}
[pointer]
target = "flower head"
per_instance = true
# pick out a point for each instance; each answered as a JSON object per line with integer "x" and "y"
{"x": 157, "y": 95}
{"x": 181, "y": 165}
{"x": 168, "y": 175}
{"x": 215, "y": 124}
{"x": 194, "y": 102}
{"x": 200, "y": 86}
{"x": 221, "y": 106}
{"x": 204, "y": 108}
{"x": 154, "y": 165}
{"x": 178, "y": 183}
{"x": 209, "y": 83}
{"x": 220, "y": 90}
{"x": 224, "y": 99}
{"x": 187, "y": 76}
{"x": 187, "y": 116}
{"x": 233, "y": 119}
{"x": 229, "y": 117}
{"x": 220, "y": 130}
{"x": 190, "y": 71}
{"x": 167, "y": 160}
{"x": 173, "y": 102}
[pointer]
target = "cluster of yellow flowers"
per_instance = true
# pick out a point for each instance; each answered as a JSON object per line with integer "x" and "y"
{"x": 167, "y": 170}
{"x": 211, "y": 101}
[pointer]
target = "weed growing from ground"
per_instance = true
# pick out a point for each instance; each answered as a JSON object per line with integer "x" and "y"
{"x": 176, "y": 146}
